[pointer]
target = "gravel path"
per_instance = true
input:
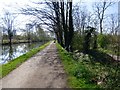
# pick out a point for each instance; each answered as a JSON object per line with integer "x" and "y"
{"x": 43, "y": 70}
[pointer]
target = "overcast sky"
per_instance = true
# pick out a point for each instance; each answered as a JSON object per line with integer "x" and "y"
{"x": 13, "y": 5}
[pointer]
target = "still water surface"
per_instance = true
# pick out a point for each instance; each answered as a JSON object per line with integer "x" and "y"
{"x": 8, "y": 53}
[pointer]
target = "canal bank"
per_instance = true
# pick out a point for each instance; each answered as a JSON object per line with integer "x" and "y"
{"x": 7, "y": 68}
{"x": 6, "y": 42}
{"x": 10, "y": 52}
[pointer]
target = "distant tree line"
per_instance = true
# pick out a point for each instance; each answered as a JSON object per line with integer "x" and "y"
{"x": 9, "y": 32}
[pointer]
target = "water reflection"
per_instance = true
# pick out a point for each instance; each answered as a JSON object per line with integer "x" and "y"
{"x": 9, "y": 52}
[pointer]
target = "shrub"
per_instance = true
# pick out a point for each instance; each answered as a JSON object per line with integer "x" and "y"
{"x": 77, "y": 41}
{"x": 103, "y": 41}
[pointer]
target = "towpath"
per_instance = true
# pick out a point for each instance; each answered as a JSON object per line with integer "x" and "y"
{"x": 43, "y": 70}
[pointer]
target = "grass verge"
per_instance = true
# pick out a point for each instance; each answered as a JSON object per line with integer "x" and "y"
{"x": 7, "y": 68}
{"x": 79, "y": 76}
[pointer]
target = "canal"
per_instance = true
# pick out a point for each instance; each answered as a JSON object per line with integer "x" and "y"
{"x": 8, "y": 53}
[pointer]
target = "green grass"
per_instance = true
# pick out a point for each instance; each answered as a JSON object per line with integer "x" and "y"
{"x": 79, "y": 76}
{"x": 7, "y": 68}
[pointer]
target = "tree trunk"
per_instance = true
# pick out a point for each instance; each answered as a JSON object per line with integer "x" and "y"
{"x": 71, "y": 30}
{"x": 95, "y": 42}
{"x": 57, "y": 13}
{"x": 100, "y": 26}
{"x": 64, "y": 24}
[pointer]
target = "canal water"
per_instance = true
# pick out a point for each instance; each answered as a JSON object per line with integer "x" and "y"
{"x": 8, "y": 53}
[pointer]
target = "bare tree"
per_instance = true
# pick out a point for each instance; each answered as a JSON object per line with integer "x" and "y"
{"x": 8, "y": 24}
{"x": 77, "y": 17}
{"x": 83, "y": 18}
{"x": 113, "y": 23}
{"x": 100, "y": 9}
{"x": 80, "y": 17}
{"x": 58, "y": 16}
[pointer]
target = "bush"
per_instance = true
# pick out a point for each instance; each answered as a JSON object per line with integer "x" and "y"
{"x": 77, "y": 42}
{"x": 103, "y": 41}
